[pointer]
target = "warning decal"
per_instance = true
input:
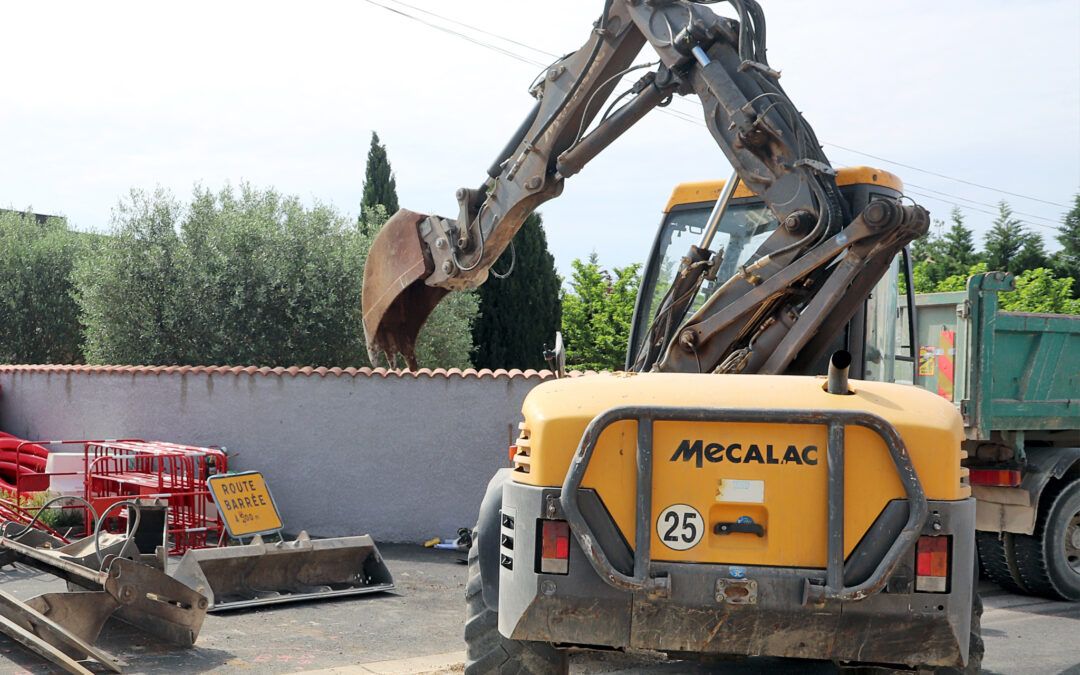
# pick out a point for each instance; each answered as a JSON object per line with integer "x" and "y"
{"x": 680, "y": 527}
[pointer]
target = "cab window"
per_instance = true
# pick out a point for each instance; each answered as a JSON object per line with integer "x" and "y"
{"x": 741, "y": 232}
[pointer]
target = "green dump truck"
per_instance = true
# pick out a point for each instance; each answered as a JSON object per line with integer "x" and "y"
{"x": 1016, "y": 379}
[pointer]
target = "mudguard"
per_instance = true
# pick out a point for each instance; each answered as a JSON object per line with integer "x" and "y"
{"x": 487, "y": 536}
{"x": 1045, "y": 464}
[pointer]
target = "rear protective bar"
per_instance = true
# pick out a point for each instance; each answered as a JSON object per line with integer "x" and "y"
{"x": 834, "y": 420}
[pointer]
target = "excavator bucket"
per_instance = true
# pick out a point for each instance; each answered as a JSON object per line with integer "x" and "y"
{"x": 235, "y": 577}
{"x": 396, "y": 301}
{"x": 107, "y": 577}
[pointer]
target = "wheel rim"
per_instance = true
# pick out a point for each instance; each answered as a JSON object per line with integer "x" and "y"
{"x": 1072, "y": 543}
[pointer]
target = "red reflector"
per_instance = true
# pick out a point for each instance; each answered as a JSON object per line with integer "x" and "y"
{"x": 554, "y": 546}
{"x": 997, "y": 477}
{"x": 513, "y": 452}
{"x": 556, "y": 539}
{"x": 932, "y": 564}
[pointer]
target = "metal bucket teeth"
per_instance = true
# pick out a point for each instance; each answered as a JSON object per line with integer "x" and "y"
{"x": 255, "y": 574}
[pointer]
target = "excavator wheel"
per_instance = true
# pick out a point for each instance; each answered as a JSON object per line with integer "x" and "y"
{"x": 997, "y": 561}
{"x": 1048, "y": 560}
{"x": 487, "y": 651}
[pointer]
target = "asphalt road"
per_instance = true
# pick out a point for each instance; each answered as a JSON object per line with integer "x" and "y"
{"x": 419, "y": 628}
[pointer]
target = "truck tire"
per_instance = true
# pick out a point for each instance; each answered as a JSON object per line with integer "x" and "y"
{"x": 997, "y": 561}
{"x": 1049, "y": 559}
{"x": 487, "y": 651}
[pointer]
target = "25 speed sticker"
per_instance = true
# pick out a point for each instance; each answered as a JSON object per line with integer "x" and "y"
{"x": 680, "y": 527}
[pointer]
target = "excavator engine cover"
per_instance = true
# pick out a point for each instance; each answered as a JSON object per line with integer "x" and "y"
{"x": 396, "y": 301}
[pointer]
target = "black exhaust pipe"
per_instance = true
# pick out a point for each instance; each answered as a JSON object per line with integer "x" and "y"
{"x": 838, "y": 373}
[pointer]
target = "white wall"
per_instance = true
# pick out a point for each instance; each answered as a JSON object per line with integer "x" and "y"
{"x": 402, "y": 457}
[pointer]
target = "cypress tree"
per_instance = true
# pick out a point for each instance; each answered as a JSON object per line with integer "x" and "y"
{"x": 925, "y": 249}
{"x": 1004, "y": 241}
{"x": 519, "y": 314}
{"x": 1032, "y": 254}
{"x": 1067, "y": 260}
{"x": 958, "y": 246}
{"x": 928, "y": 254}
{"x": 380, "y": 187}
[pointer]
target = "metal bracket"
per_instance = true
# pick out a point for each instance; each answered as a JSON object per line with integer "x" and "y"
{"x": 834, "y": 420}
{"x": 736, "y": 591}
{"x": 820, "y": 167}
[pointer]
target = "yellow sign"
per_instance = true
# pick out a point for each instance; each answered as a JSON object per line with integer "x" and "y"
{"x": 245, "y": 504}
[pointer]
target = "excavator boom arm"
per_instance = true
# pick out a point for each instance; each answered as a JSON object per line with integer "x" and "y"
{"x": 417, "y": 259}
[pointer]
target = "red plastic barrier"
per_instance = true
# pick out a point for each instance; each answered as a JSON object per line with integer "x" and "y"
{"x": 26, "y": 461}
{"x": 22, "y": 476}
{"x": 22, "y": 465}
{"x": 11, "y": 468}
{"x": 8, "y": 442}
{"x": 176, "y": 473}
{"x": 118, "y": 470}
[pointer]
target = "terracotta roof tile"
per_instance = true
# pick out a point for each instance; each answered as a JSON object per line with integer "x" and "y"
{"x": 294, "y": 371}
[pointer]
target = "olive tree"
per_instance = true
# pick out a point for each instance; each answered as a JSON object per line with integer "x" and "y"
{"x": 239, "y": 276}
{"x": 38, "y": 312}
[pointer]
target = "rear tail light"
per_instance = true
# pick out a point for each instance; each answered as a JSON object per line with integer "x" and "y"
{"x": 995, "y": 477}
{"x": 554, "y": 547}
{"x": 932, "y": 564}
{"x": 512, "y": 453}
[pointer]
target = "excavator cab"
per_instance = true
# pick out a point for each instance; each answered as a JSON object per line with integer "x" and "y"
{"x": 871, "y": 336}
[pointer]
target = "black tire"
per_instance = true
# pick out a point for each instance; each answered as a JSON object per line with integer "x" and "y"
{"x": 976, "y": 646}
{"x": 1049, "y": 560}
{"x": 997, "y": 562}
{"x": 487, "y": 651}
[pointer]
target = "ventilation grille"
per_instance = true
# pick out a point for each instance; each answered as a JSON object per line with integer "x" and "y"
{"x": 523, "y": 456}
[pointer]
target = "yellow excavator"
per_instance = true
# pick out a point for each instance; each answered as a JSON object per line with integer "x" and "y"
{"x": 746, "y": 487}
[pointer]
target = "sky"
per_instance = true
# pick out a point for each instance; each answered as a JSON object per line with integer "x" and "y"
{"x": 100, "y": 98}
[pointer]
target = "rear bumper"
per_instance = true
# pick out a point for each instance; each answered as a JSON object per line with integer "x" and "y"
{"x": 897, "y": 626}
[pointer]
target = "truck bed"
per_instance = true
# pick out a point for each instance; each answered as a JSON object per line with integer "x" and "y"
{"x": 1007, "y": 371}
